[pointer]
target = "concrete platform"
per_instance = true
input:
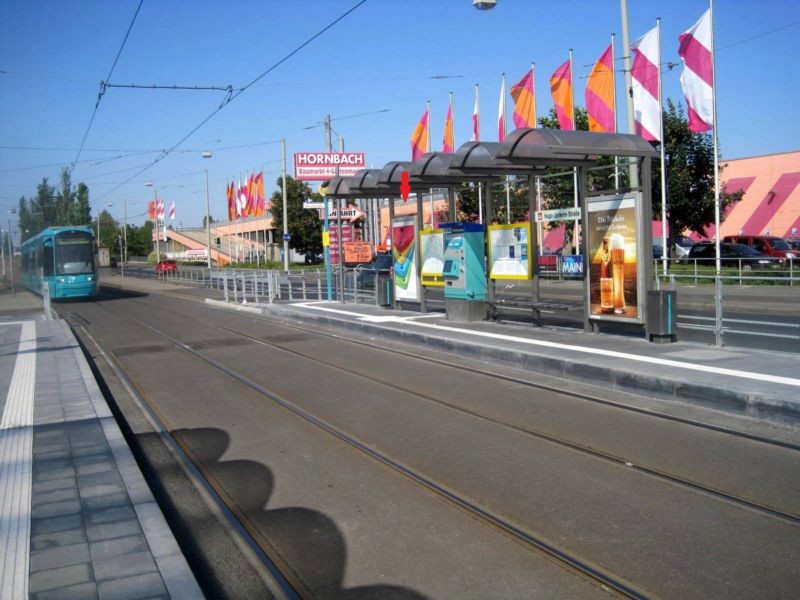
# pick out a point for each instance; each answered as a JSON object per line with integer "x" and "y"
{"x": 78, "y": 519}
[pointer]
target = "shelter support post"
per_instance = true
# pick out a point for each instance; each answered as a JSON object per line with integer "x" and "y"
{"x": 451, "y": 204}
{"x": 580, "y": 197}
{"x": 423, "y": 306}
{"x": 645, "y": 262}
{"x": 533, "y": 251}
{"x": 391, "y": 245}
{"x": 490, "y": 289}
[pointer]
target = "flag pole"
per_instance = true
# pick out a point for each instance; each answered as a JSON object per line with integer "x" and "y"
{"x": 476, "y": 134}
{"x": 429, "y": 148}
{"x": 508, "y": 184}
{"x": 716, "y": 149}
{"x": 533, "y": 94}
{"x": 663, "y": 162}
{"x": 616, "y": 124}
{"x": 575, "y": 244}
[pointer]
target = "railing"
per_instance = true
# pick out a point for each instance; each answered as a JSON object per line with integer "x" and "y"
{"x": 726, "y": 307}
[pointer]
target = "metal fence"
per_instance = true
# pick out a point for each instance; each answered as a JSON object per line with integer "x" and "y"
{"x": 742, "y": 307}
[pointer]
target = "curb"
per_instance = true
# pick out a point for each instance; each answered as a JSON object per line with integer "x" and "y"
{"x": 739, "y": 402}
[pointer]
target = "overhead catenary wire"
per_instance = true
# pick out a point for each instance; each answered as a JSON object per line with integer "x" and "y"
{"x": 241, "y": 91}
{"x": 100, "y": 95}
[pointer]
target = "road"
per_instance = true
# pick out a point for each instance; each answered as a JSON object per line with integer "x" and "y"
{"x": 393, "y": 472}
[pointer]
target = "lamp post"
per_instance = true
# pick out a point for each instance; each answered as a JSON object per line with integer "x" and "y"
{"x": 208, "y": 214}
{"x": 158, "y": 233}
{"x": 13, "y": 211}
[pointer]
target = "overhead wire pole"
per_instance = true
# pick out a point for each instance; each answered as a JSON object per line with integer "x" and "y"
{"x": 285, "y": 216}
{"x": 633, "y": 174}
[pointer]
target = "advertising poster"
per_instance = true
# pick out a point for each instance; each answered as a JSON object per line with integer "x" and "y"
{"x": 613, "y": 244}
{"x": 508, "y": 251}
{"x": 404, "y": 248}
{"x": 431, "y": 243}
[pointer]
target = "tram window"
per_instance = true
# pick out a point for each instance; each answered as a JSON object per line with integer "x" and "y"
{"x": 75, "y": 254}
{"x": 47, "y": 259}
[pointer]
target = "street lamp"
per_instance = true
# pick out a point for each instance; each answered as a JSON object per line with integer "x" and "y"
{"x": 158, "y": 233}
{"x": 208, "y": 214}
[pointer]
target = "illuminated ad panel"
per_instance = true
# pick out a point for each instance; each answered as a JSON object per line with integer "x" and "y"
{"x": 612, "y": 259}
{"x": 432, "y": 247}
{"x": 404, "y": 248}
{"x": 509, "y": 256}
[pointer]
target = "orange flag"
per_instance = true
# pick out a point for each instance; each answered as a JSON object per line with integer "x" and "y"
{"x": 561, "y": 90}
{"x": 524, "y": 102}
{"x": 448, "y": 143}
{"x": 419, "y": 139}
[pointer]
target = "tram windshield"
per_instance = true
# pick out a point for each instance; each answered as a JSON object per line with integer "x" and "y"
{"x": 74, "y": 253}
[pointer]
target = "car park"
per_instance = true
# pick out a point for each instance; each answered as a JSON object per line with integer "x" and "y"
{"x": 768, "y": 245}
{"x": 731, "y": 256}
{"x": 166, "y": 266}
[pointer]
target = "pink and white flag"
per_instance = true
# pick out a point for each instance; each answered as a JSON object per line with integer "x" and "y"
{"x": 645, "y": 73}
{"x": 501, "y": 112}
{"x": 172, "y": 210}
{"x": 476, "y": 122}
{"x": 160, "y": 210}
{"x": 697, "y": 79}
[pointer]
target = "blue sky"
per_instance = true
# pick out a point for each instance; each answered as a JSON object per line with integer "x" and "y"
{"x": 382, "y": 56}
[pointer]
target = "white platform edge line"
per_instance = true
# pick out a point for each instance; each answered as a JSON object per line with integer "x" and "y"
{"x": 16, "y": 451}
{"x": 174, "y": 569}
{"x": 663, "y": 362}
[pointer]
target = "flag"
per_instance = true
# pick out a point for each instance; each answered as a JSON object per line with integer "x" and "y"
{"x": 644, "y": 89}
{"x": 241, "y": 200}
{"x": 697, "y": 79}
{"x": 250, "y": 197}
{"x": 231, "y": 194}
{"x": 524, "y": 102}
{"x": 419, "y": 139}
{"x": 600, "y": 94}
{"x": 448, "y": 143}
{"x": 151, "y": 210}
{"x": 172, "y": 210}
{"x": 501, "y": 112}
{"x": 160, "y": 210}
{"x": 476, "y": 122}
{"x": 259, "y": 192}
{"x": 561, "y": 90}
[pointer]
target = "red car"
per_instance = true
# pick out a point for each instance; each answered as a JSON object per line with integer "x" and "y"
{"x": 166, "y": 266}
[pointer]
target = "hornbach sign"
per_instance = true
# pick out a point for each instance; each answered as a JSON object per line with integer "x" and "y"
{"x": 319, "y": 166}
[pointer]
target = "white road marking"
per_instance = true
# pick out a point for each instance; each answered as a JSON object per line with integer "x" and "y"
{"x": 662, "y": 362}
{"x": 16, "y": 454}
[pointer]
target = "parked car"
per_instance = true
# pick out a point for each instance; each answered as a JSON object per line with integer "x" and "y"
{"x": 314, "y": 259}
{"x": 166, "y": 266}
{"x": 768, "y": 245}
{"x": 682, "y": 247}
{"x": 794, "y": 244}
{"x": 368, "y": 272}
{"x": 731, "y": 255}
{"x": 112, "y": 262}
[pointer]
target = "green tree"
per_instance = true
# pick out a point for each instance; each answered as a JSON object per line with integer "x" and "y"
{"x": 304, "y": 225}
{"x": 64, "y": 199}
{"x": 689, "y": 161}
{"x": 109, "y": 229}
{"x": 80, "y": 209}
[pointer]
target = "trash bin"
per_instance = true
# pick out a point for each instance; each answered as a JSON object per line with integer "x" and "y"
{"x": 384, "y": 286}
{"x": 661, "y": 310}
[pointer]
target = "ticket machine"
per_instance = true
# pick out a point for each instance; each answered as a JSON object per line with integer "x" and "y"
{"x": 464, "y": 271}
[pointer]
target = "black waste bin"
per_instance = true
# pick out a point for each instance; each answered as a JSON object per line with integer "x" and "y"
{"x": 384, "y": 286}
{"x": 661, "y": 311}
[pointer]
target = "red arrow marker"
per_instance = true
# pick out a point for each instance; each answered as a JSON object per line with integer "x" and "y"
{"x": 405, "y": 187}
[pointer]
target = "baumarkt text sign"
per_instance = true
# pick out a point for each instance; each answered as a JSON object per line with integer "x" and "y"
{"x": 319, "y": 166}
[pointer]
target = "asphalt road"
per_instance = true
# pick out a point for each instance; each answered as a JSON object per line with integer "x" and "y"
{"x": 343, "y": 461}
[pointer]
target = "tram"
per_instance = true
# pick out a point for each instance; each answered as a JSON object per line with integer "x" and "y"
{"x": 64, "y": 259}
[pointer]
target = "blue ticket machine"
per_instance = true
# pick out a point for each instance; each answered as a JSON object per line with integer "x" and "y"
{"x": 464, "y": 271}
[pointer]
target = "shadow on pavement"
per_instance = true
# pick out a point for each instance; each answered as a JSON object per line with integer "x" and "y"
{"x": 306, "y": 539}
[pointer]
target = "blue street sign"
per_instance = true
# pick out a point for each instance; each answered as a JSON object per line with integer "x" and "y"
{"x": 287, "y": 237}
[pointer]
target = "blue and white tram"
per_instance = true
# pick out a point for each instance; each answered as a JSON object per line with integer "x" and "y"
{"x": 63, "y": 258}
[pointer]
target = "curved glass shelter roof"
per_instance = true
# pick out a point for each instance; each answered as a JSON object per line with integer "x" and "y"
{"x": 569, "y": 148}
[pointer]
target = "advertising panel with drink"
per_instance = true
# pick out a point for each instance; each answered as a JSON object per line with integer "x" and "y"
{"x": 613, "y": 253}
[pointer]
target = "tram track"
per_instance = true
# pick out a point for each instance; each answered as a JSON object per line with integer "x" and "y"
{"x": 580, "y": 567}
{"x": 526, "y": 538}
{"x": 744, "y": 502}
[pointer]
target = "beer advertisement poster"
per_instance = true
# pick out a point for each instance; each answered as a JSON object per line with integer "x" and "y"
{"x": 508, "y": 251}
{"x": 612, "y": 257}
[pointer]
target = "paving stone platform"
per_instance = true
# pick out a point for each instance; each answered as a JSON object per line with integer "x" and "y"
{"x": 77, "y": 519}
